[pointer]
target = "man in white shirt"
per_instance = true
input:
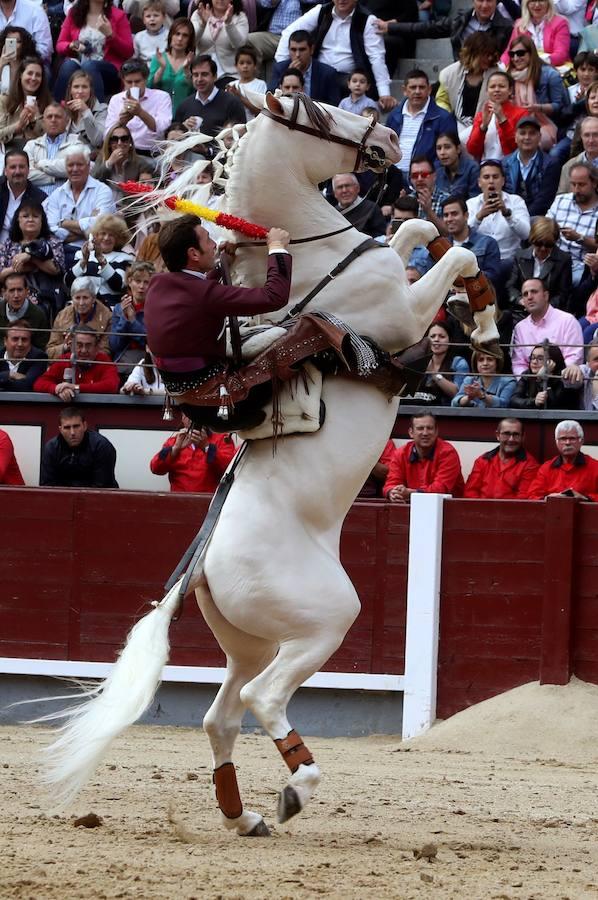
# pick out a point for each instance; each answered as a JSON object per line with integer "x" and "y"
{"x": 500, "y": 215}
{"x": 32, "y": 17}
{"x": 73, "y": 207}
{"x": 147, "y": 112}
{"x": 345, "y": 37}
{"x": 418, "y": 121}
{"x": 46, "y": 153}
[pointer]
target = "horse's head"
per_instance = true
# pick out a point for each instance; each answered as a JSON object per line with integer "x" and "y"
{"x": 346, "y": 142}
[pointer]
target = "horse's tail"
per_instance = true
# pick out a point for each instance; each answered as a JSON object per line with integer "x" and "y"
{"x": 112, "y": 706}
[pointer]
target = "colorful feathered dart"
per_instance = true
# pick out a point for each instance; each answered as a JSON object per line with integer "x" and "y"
{"x": 222, "y": 219}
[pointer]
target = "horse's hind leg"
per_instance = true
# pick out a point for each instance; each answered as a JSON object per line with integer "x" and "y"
{"x": 247, "y": 656}
{"x": 269, "y": 693}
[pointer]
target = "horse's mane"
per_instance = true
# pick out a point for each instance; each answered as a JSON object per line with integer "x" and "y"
{"x": 319, "y": 119}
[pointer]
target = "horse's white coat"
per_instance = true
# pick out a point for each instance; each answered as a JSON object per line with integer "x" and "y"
{"x": 272, "y": 588}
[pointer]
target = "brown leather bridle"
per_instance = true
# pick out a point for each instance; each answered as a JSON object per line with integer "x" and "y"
{"x": 370, "y": 157}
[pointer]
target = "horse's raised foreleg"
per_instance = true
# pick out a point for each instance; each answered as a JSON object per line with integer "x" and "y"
{"x": 246, "y": 657}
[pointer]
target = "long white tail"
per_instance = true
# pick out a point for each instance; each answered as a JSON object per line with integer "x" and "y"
{"x": 109, "y": 708}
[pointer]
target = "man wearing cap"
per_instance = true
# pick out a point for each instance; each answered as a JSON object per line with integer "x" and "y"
{"x": 500, "y": 215}
{"x": 529, "y": 172}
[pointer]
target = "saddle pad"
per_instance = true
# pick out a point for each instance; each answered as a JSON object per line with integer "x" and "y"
{"x": 298, "y": 407}
{"x": 255, "y": 339}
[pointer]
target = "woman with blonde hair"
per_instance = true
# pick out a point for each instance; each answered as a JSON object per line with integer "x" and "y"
{"x": 549, "y": 32}
{"x": 542, "y": 259}
{"x": 22, "y": 108}
{"x": 102, "y": 259}
{"x": 464, "y": 84}
{"x": 538, "y": 87}
{"x": 87, "y": 116}
{"x": 84, "y": 309}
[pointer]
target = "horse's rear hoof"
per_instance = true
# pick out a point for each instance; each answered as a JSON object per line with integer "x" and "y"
{"x": 259, "y": 830}
{"x": 288, "y": 804}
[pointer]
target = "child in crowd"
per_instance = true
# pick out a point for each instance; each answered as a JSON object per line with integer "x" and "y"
{"x": 585, "y": 377}
{"x": 357, "y": 101}
{"x": 586, "y": 70}
{"x": 246, "y": 66}
{"x": 153, "y": 39}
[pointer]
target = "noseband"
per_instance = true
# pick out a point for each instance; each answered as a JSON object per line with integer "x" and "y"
{"x": 368, "y": 157}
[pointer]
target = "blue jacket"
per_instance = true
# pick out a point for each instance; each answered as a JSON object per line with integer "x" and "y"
{"x": 540, "y": 187}
{"x": 435, "y": 122}
{"x": 550, "y": 89}
{"x": 126, "y": 332}
{"x": 323, "y": 86}
{"x": 465, "y": 182}
{"x": 486, "y": 251}
{"x": 500, "y": 391}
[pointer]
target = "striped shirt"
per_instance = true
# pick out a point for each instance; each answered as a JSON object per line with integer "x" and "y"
{"x": 567, "y": 214}
{"x": 285, "y": 13}
{"x": 412, "y": 123}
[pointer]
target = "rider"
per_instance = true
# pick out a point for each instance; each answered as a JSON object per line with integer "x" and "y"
{"x": 186, "y": 307}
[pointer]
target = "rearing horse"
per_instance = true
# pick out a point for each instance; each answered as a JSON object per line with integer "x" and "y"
{"x": 271, "y": 586}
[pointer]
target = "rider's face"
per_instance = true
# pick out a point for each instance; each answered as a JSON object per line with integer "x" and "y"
{"x": 204, "y": 257}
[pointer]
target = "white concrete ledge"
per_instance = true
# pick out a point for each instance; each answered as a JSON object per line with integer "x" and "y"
{"x": 351, "y": 681}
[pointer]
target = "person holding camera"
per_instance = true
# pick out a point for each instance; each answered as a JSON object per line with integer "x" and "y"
{"x": 194, "y": 459}
{"x": 503, "y": 216}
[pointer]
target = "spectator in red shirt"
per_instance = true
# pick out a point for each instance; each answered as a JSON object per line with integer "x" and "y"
{"x": 426, "y": 464}
{"x": 194, "y": 459}
{"x": 506, "y": 472}
{"x": 86, "y": 370}
{"x": 9, "y": 467}
{"x": 569, "y": 474}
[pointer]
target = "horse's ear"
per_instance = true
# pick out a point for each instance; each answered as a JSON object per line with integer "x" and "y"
{"x": 274, "y": 105}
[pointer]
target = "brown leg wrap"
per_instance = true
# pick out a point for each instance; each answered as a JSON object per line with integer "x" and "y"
{"x": 293, "y": 751}
{"x": 480, "y": 292}
{"x": 438, "y": 247}
{"x": 227, "y": 791}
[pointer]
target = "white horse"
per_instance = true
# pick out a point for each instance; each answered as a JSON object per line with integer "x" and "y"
{"x": 271, "y": 586}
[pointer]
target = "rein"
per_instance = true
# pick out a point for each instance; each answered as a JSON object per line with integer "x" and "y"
{"x": 305, "y": 240}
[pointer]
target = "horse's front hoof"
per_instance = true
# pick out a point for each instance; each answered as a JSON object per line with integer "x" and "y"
{"x": 288, "y": 804}
{"x": 259, "y": 830}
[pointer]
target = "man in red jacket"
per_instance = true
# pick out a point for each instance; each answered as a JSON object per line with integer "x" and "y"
{"x": 87, "y": 370}
{"x": 194, "y": 459}
{"x": 506, "y": 472}
{"x": 569, "y": 474}
{"x": 9, "y": 467}
{"x": 426, "y": 464}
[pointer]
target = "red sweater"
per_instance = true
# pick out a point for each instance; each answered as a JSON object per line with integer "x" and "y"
{"x": 506, "y": 131}
{"x": 92, "y": 379}
{"x": 117, "y": 49}
{"x": 9, "y": 467}
{"x": 556, "y": 476}
{"x": 438, "y": 473}
{"x": 493, "y": 479}
{"x": 195, "y": 469}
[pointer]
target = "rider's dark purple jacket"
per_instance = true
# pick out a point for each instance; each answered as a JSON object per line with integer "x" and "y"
{"x": 184, "y": 314}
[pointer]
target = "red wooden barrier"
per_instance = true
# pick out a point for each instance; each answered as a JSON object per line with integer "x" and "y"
{"x": 519, "y": 590}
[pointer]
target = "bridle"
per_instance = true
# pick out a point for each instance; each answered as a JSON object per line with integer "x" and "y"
{"x": 369, "y": 157}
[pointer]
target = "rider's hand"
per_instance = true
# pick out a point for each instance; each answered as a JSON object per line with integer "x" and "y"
{"x": 278, "y": 239}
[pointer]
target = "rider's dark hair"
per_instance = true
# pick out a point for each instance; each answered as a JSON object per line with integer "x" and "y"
{"x": 175, "y": 238}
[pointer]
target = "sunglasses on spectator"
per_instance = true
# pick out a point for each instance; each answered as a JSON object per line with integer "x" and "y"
{"x": 120, "y": 139}
{"x": 515, "y": 54}
{"x": 548, "y": 245}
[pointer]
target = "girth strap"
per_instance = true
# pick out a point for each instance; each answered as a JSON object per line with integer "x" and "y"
{"x": 368, "y": 244}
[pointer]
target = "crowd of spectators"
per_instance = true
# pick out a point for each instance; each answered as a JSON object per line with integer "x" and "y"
{"x": 501, "y": 154}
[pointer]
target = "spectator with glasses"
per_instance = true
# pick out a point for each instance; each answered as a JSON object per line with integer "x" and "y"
{"x": 542, "y": 259}
{"x": 147, "y": 112}
{"x": 117, "y": 161}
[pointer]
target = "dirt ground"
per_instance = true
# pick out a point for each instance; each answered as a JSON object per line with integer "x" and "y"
{"x": 505, "y": 792}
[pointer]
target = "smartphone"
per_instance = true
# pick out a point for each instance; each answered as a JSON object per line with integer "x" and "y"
{"x": 11, "y": 46}
{"x": 30, "y": 101}
{"x": 395, "y": 224}
{"x": 134, "y": 92}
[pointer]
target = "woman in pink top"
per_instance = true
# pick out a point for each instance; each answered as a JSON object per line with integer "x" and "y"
{"x": 96, "y": 37}
{"x": 548, "y": 31}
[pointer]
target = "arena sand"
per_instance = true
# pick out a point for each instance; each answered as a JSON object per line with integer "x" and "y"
{"x": 501, "y": 799}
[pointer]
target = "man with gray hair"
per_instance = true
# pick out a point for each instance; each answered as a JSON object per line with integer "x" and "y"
{"x": 363, "y": 214}
{"x": 73, "y": 207}
{"x": 570, "y": 473}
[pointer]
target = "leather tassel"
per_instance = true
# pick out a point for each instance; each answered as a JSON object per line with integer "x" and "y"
{"x": 167, "y": 413}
